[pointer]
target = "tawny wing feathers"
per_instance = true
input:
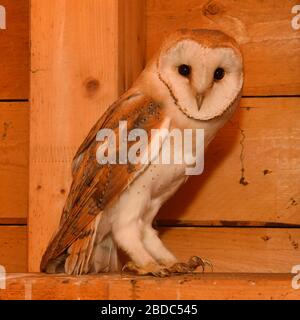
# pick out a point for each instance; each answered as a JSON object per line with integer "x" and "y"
{"x": 96, "y": 186}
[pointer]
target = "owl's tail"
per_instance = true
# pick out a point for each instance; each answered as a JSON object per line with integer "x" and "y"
{"x": 93, "y": 252}
{"x": 105, "y": 258}
{"x": 76, "y": 259}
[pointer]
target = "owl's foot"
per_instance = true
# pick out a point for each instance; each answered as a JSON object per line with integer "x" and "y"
{"x": 162, "y": 271}
{"x": 150, "y": 269}
{"x": 189, "y": 267}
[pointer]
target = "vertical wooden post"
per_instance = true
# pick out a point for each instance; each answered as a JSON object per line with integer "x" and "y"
{"x": 2, "y": 18}
{"x": 132, "y": 37}
{"x": 77, "y": 70}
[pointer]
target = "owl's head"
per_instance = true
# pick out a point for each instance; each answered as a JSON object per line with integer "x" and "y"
{"x": 202, "y": 70}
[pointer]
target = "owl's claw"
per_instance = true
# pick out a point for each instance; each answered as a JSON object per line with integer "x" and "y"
{"x": 162, "y": 271}
{"x": 130, "y": 266}
{"x": 151, "y": 269}
{"x": 195, "y": 262}
{"x": 189, "y": 267}
{"x": 180, "y": 267}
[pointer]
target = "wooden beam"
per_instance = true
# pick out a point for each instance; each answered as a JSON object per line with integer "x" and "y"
{"x": 70, "y": 89}
{"x": 13, "y": 248}
{"x": 117, "y": 287}
{"x": 14, "y": 51}
{"x": 132, "y": 37}
{"x": 269, "y": 43}
{"x": 14, "y": 146}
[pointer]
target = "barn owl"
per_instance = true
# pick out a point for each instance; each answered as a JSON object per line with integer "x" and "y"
{"x": 193, "y": 81}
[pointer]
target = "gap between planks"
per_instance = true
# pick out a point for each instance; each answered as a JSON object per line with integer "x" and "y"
{"x": 273, "y": 96}
{"x": 185, "y": 224}
{"x": 224, "y": 224}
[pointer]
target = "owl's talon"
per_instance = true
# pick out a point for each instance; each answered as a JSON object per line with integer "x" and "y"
{"x": 151, "y": 269}
{"x": 131, "y": 267}
{"x": 209, "y": 264}
{"x": 162, "y": 270}
{"x": 180, "y": 267}
{"x": 189, "y": 267}
{"x": 195, "y": 262}
{"x": 162, "y": 273}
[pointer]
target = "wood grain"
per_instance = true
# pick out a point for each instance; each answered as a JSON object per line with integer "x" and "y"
{"x": 263, "y": 139}
{"x": 14, "y": 51}
{"x": 230, "y": 250}
{"x": 69, "y": 94}
{"x": 116, "y": 287}
{"x": 254, "y": 250}
{"x": 132, "y": 41}
{"x": 14, "y": 146}
{"x": 71, "y": 88}
{"x": 13, "y": 248}
{"x": 271, "y": 47}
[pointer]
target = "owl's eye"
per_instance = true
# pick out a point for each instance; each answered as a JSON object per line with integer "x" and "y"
{"x": 184, "y": 70}
{"x": 219, "y": 74}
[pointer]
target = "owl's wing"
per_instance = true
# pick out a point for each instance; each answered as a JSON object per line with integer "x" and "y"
{"x": 95, "y": 186}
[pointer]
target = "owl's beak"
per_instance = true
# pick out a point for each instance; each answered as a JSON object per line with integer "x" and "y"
{"x": 199, "y": 99}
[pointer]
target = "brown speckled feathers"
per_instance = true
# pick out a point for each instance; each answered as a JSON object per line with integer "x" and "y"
{"x": 96, "y": 186}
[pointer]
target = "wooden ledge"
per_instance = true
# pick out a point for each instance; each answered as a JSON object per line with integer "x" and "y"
{"x": 115, "y": 286}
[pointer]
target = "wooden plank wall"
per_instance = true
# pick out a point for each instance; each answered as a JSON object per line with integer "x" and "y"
{"x": 232, "y": 224}
{"x": 263, "y": 139}
{"x": 263, "y": 28}
{"x": 247, "y": 202}
{"x": 215, "y": 215}
{"x": 14, "y": 50}
{"x": 14, "y": 134}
